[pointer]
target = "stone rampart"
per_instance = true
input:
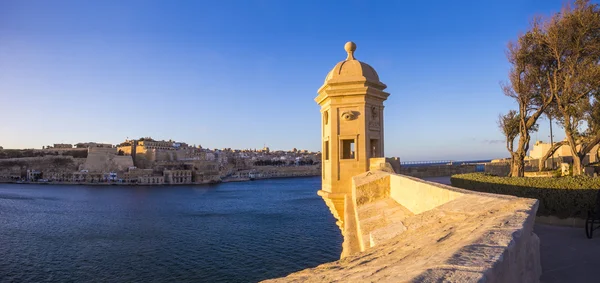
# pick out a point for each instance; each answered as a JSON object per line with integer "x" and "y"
{"x": 437, "y": 170}
{"x": 402, "y": 229}
{"x": 47, "y": 164}
{"x": 105, "y": 161}
{"x": 103, "y": 150}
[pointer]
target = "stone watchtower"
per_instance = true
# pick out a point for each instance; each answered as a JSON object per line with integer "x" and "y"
{"x": 351, "y": 101}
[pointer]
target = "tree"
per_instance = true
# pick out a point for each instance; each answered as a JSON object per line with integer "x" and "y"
{"x": 509, "y": 126}
{"x": 553, "y": 148}
{"x": 529, "y": 89}
{"x": 571, "y": 40}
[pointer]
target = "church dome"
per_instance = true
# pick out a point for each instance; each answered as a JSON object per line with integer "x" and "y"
{"x": 352, "y": 70}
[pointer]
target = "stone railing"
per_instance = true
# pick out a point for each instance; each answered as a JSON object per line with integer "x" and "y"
{"x": 400, "y": 229}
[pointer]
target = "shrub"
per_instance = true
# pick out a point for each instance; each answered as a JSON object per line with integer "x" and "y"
{"x": 561, "y": 197}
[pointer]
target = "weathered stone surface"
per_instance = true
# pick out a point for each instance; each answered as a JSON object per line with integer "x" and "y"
{"x": 469, "y": 238}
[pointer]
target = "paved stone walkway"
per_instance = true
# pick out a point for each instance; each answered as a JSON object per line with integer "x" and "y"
{"x": 566, "y": 254}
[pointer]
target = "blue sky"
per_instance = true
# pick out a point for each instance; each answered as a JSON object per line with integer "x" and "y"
{"x": 241, "y": 74}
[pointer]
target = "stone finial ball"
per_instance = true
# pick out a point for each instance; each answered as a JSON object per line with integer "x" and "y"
{"x": 350, "y": 46}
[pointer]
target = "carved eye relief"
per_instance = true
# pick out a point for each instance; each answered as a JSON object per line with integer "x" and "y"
{"x": 348, "y": 115}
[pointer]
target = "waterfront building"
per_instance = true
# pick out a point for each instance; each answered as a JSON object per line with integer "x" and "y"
{"x": 33, "y": 175}
{"x": 60, "y": 176}
{"x": 178, "y": 176}
{"x": 79, "y": 177}
{"x": 133, "y": 174}
{"x": 151, "y": 180}
{"x": 201, "y": 177}
{"x": 562, "y": 154}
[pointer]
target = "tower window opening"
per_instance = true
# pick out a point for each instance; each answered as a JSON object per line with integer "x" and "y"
{"x": 326, "y": 150}
{"x": 374, "y": 148}
{"x": 348, "y": 150}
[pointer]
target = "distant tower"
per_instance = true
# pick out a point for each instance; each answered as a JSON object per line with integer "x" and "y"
{"x": 351, "y": 101}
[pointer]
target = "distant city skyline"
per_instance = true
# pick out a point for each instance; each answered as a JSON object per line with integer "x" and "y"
{"x": 242, "y": 74}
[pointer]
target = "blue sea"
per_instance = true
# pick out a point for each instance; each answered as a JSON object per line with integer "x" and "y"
{"x": 230, "y": 232}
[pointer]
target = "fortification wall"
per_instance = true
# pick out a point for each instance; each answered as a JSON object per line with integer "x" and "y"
{"x": 103, "y": 150}
{"x": 402, "y": 229}
{"x": 47, "y": 164}
{"x": 498, "y": 169}
{"x": 104, "y": 162}
{"x": 436, "y": 170}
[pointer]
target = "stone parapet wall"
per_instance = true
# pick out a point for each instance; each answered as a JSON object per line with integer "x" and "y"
{"x": 402, "y": 229}
{"x": 497, "y": 169}
{"x": 502, "y": 169}
{"x": 437, "y": 170}
{"x": 421, "y": 196}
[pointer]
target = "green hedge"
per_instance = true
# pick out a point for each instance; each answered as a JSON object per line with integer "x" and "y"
{"x": 561, "y": 197}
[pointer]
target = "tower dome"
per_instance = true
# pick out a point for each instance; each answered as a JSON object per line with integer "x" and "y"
{"x": 352, "y": 70}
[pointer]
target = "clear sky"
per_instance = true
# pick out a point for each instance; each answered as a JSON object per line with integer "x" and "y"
{"x": 242, "y": 74}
